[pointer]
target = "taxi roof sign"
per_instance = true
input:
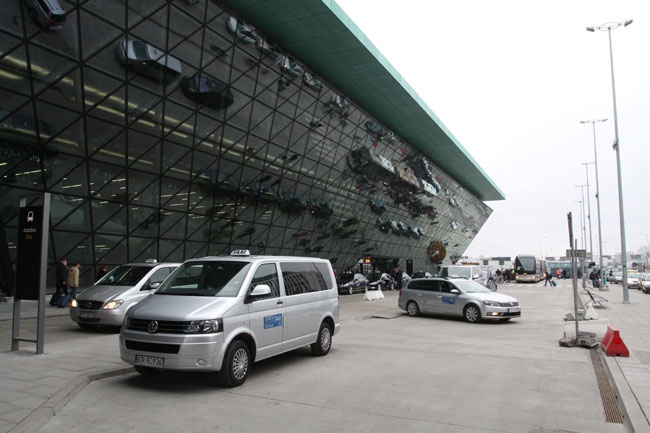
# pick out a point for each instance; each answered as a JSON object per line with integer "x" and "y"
{"x": 245, "y": 253}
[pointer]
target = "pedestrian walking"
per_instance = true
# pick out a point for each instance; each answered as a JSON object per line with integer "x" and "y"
{"x": 398, "y": 278}
{"x": 73, "y": 280}
{"x": 548, "y": 279}
{"x": 61, "y": 275}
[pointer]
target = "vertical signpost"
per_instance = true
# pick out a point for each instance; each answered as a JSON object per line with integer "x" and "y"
{"x": 31, "y": 267}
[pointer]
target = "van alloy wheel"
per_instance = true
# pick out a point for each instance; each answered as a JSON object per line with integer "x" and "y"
{"x": 236, "y": 364}
{"x": 324, "y": 342}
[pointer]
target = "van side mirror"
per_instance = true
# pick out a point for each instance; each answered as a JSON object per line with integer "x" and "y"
{"x": 151, "y": 286}
{"x": 454, "y": 291}
{"x": 260, "y": 290}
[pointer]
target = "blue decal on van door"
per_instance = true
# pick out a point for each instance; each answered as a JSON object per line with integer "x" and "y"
{"x": 450, "y": 301}
{"x": 272, "y": 321}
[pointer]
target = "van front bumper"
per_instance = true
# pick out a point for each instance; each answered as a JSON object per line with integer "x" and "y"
{"x": 98, "y": 317}
{"x": 174, "y": 352}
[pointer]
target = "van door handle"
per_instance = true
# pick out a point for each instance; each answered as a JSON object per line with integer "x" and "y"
{"x": 280, "y": 302}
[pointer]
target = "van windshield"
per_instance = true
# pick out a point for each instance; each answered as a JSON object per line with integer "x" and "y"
{"x": 209, "y": 278}
{"x": 126, "y": 275}
{"x": 457, "y": 272}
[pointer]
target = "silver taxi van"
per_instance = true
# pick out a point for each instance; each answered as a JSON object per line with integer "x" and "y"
{"x": 105, "y": 302}
{"x": 221, "y": 314}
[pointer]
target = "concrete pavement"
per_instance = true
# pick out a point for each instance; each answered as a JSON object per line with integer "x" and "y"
{"x": 567, "y": 394}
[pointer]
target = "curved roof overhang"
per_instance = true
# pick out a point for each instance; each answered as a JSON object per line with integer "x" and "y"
{"x": 319, "y": 34}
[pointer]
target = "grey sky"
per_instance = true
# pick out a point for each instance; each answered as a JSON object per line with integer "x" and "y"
{"x": 512, "y": 80}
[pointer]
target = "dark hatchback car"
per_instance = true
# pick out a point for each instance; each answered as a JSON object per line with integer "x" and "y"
{"x": 208, "y": 90}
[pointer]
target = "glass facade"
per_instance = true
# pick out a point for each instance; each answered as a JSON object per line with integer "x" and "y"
{"x": 172, "y": 130}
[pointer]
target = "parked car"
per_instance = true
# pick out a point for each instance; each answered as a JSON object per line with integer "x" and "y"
{"x": 243, "y": 31}
{"x": 645, "y": 283}
{"x": 47, "y": 13}
{"x": 106, "y": 302}
{"x": 381, "y": 280}
{"x": 634, "y": 280}
{"x": 351, "y": 283}
{"x": 148, "y": 60}
{"x": 457, "y": 297}
{"x": 222, "y": 314}
{"x": 208, "y": 90}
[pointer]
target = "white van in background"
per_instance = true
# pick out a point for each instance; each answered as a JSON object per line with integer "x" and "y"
{"x": 221, "y": 314}
{"x": 471, "y": 272}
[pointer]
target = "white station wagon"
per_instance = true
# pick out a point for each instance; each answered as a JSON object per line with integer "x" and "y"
{"x": 457, "y": 297}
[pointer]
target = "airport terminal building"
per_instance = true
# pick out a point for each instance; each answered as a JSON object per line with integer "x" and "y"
{"x": 173, "y": 129}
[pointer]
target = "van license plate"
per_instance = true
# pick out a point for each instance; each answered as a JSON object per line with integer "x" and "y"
{"x": 87, "y": 315}
{"x": 150, "y": 361}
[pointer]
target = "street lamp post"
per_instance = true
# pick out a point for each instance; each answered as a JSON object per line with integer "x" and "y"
{"x": 600, "y": 235}
{"x": 541, "y": 254}
{"x": 591, "y": 239}
{"x": 582, "y": 229}
{"x": 609, "y": 27}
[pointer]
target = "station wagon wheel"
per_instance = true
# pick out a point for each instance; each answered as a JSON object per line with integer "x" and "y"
{"x": 412, "y": 309}
{"x": 472, "y": 313}
{"x": 236, "y": 363}
{"x": 324, "y": 341}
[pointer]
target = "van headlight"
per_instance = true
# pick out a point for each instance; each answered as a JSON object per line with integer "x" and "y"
{"x": 203, "y": 326}
{"x": 73, "y": 303}
{"x": 112, "y": 304}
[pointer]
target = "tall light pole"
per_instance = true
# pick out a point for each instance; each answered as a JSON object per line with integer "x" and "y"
{"x": 609, "y": 27}
{"x": 582, "y": 229}
{"x": 591, "y": 239}
{"x": 600, "y": 234}
{"x": 540, "y": 246}
{"x": 582, "y": 217}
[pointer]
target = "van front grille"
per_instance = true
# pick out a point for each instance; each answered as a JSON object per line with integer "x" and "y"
{"x": 152, "y": 347}
{"x": 163, "y": 326}
{"x": 89, "y": 305}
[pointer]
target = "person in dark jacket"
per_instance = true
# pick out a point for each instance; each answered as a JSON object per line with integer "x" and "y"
{"x": 102, "y": 271}
{"x": 61, "y": 276}
{"x": 549, "y": 279}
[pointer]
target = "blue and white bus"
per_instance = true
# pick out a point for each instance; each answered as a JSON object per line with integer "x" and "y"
{"x": 564, "y": 266}
{"x": 530, "y": 268}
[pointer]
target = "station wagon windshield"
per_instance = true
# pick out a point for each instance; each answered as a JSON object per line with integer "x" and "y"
{"x": 209, "y": 278}
{"x": 469, "y": 286}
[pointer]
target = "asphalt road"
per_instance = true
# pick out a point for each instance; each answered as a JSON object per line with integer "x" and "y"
{"x": 386, "y": 372}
